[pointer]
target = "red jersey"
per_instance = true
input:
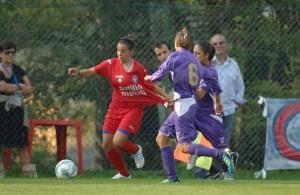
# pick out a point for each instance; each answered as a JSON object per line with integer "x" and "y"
{"x": 129, "y": 88}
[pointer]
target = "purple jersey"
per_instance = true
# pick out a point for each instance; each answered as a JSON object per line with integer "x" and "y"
{"x": 211, "y": 85}
{"x": 186, "y": 72}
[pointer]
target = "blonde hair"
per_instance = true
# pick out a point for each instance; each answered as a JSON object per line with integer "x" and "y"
{"x": 183, "y": 39}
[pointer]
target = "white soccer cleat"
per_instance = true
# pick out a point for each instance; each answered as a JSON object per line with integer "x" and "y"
{"x": 191, "y": 162}
{"x": 227, "y": 177}
{"x": 29, "y": 170}
{"x": 139, "y": 158}
{"x": 119, "y": 176}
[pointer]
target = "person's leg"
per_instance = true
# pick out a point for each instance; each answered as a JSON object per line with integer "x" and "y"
{"x": 129, "y": 147}
{"x": 24, "y": 156}
{"x": 201, "y": 150}
{"x": 163, "y": 140}
{"x": 113, "y": 154}
{"x": 28, "y": 169}
{"x": 167, "y": 155}
{"x": 222, "y": 155}
{"x": 213, "y": 129}
{"x": 130, "y": 124}
{"x": 229, "y": 125}
{"x": 20, "y": 141}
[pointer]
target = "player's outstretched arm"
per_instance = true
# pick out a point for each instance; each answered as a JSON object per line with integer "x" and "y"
{"x": 147, "y": 78}
{"x": 161, "y": 92}
{"x": 82, "y": 73}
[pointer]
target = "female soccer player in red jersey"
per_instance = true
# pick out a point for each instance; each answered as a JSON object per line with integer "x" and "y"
{"x": 130, "y": 95}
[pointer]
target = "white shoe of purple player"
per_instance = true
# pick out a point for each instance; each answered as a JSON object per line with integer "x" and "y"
{"x": 191, "y": 162}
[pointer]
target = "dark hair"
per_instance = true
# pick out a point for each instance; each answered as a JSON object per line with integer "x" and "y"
{"x": 159, "y": 44}
{"x": 207, "y": 48}
{"x": 128, "y": 41}
{"x": 4, "y": 45}
{"x": 183, "y": 38}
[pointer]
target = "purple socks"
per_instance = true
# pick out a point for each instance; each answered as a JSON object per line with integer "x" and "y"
{"x": 167, "y": 156}
{"x": 201, "y": 150}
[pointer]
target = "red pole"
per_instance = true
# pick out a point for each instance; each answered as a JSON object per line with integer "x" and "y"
{"x": 61, "y": 142}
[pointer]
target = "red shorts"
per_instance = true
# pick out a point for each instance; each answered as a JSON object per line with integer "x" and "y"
{"x": 124, "y": 119}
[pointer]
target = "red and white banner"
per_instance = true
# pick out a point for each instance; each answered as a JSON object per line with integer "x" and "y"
{"x": 282, "y": 150}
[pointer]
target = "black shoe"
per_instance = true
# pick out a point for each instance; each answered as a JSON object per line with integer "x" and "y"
{"x": 216, "y": 176}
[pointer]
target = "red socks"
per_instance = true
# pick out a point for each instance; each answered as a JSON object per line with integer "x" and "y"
{"x": 116, "y": 160}
{"x": 129, "y": 147}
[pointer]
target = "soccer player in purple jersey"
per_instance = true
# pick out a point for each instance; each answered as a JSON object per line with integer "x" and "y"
{"x": 206, "y": 112}
{"x": 186, "y": 74}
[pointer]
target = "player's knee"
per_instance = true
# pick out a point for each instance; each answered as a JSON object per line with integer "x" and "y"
{"x": 184, "y": 148}
{"x": 162, "y": 140}
{"x": 159, "y": 139}
{"x": 107, "y": 146}
{"x": 117, "y": 143}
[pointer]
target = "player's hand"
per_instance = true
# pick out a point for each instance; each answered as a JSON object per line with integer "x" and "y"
{"x": 171, "y": 104}
{"x": 147, "y": 78}
{"x": 218, "y": 109}
{"x": 73, "y": 71}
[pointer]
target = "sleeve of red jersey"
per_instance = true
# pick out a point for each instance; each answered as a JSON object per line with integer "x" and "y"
{"x": 103, "y": 68}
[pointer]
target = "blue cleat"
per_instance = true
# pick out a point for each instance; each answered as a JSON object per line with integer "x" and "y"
{"x": 228, "y": 161}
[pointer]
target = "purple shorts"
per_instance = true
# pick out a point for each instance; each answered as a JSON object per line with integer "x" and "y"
{"x": 168, "y": 127}
{"x": 172, "y": 128}
{"x": 184, "y": 128}
{"x": 211, "y": 126}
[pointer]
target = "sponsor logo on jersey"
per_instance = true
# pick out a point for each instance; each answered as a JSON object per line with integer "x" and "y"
{"x": 119, "y": 78}
{"x": 134, "y": 78}
{"x": 132, "y": 90}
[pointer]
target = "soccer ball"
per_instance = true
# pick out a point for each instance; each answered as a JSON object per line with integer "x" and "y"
{"x": 66, "y": 169}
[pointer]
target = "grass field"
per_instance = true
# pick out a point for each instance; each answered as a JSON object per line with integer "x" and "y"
{"x": 143, "y": 186}
{"x": 281, "y": 182}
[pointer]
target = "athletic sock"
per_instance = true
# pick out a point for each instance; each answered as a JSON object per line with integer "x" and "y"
{"x": 167, "y": 156}
{"x": 129, "y": 147}
{"x": 116, "y": 160}
{"x": 201, "y": 150}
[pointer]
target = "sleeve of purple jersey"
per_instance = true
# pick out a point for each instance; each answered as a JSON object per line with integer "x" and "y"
{"x": 163, "y": 70}
{"x": 203, "y": 85}
{"x": 215, "y": 86}
{"x": 213, "y": 82}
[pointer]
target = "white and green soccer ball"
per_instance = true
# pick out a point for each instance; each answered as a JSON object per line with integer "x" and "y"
{"x": 66, "y": 169}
